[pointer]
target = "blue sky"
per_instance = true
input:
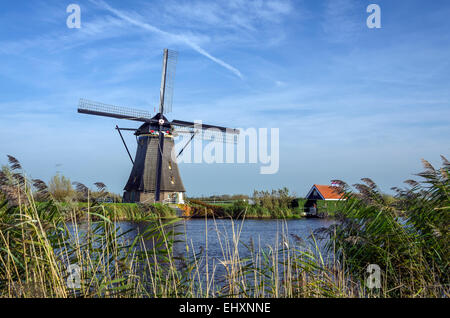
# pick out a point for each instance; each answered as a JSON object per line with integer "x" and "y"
{"x": 350, "y": 102}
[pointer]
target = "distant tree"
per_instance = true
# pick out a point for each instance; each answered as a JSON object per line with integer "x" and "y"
{"x": 222, "y": 197}
{"x": 239, "y": 197}
{"x": 274, "y": 199}
{"x": 61, "y": 188}
{"x": 256, "y": 198}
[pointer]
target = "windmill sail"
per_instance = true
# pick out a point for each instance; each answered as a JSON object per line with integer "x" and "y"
{"x": 100, "y": 109}
{"x": 206, "y": 132}
{"x": 210, "y": 135}
{"x": 167, "y": 81}
{"x": 172, "y": 59}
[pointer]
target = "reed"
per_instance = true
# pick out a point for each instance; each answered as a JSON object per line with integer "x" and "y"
{"x": 407, "y": 237}
{"x": 239, "y": 209}
{"x": 42, "y": 248}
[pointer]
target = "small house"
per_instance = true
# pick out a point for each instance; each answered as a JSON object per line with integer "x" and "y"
{"x": 320, "y": 192}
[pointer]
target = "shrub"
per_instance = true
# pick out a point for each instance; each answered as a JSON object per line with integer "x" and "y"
{"x": 60, "y": 188}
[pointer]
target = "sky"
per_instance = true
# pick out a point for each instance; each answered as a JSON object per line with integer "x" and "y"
{"x": 349, "y": 101}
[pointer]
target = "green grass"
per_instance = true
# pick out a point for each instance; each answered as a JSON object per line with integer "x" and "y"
{"x": 241, "y": 209}
{"x": 116, "y": 211}
{"x": 225, "y": 205}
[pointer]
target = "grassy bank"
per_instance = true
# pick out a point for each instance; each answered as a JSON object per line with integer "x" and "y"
{"x": 240, "y": 209}
{"x": 274, "y": 204}
{"x": 114, "y": 211}
{"x": 134, "y": 211}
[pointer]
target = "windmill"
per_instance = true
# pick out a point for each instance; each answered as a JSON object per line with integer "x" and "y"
{"x": 155, "y": 175}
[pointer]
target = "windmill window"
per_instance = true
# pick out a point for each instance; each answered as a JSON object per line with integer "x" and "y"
{"x": 172, "y": 180}
{"x": 170, "y": 165}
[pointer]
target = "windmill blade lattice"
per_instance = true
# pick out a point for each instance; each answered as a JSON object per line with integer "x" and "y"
{"x": 172, "y": 58}
{"x": 95, "y": 108}
{"x": 210, "y": 134}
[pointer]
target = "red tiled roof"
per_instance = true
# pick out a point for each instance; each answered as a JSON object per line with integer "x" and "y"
{"x": 328, "y": 192}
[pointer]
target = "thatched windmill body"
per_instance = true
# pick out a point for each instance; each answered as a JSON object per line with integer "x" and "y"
{"x": 155, "y": 176}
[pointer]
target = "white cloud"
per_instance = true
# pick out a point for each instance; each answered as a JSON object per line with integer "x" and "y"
{"x": 136, "y": 20}
{"x": 91, "y": 31}
{"x": 235, "y": 14}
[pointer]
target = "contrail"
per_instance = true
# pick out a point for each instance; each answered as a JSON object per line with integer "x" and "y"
{"x": 177, "y": 37}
